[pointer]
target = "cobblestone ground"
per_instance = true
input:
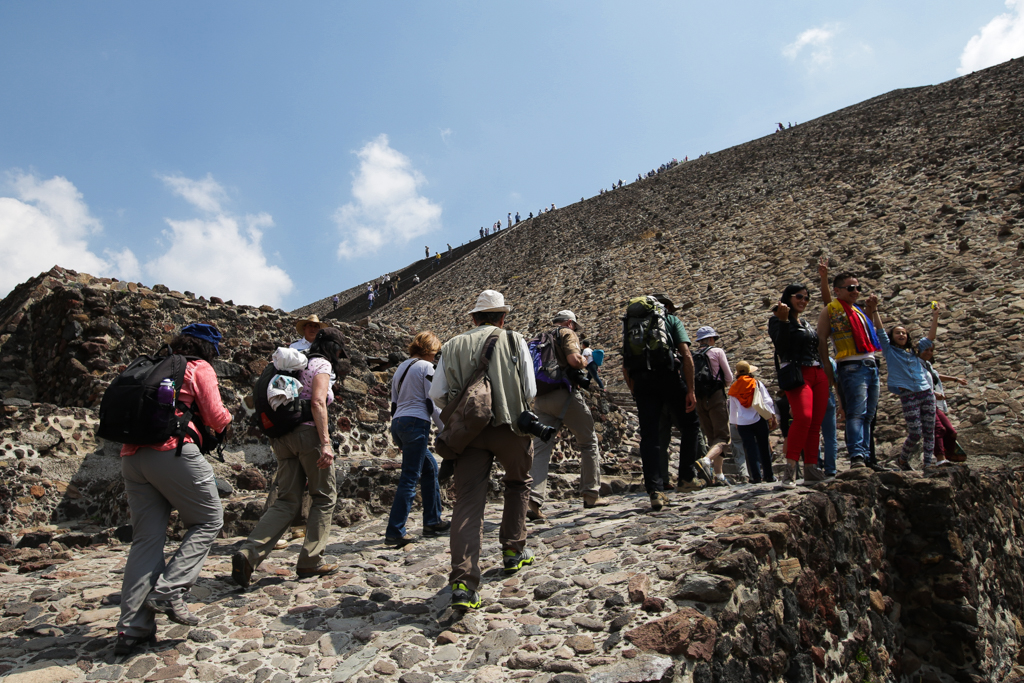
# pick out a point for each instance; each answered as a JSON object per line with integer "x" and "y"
{"x": 384, "y": 616}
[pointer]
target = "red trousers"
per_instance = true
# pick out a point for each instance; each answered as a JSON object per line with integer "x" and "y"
{"x": 807, "y": 405}
{"x": 945, "y": 434}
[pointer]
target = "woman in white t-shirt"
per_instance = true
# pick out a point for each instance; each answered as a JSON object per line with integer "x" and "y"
{"x": 410, "y": 428}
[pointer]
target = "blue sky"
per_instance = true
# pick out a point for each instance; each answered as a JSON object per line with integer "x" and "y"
{"x": 280, "y": 152}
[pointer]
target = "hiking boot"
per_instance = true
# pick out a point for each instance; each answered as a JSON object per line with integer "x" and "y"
{"x": 437, "y": 529}
{"x": 321, "y": 570}
{"x": 720, "y": 480}
{"x": 395, "y": 542}
{"x": 686, "y": 486}
{"x": 789, "y": 476}
{"x": 813, "y": 473}
{"x": 125, "y": 644}
{"x": 856, "y": 463}
{"x": 514, "y": 561}
{"x": 594, "y": 502}
{"x": 241, "y": 570}
{"x": 174, "y": 607}
{"x": 533, "y": 512}
{"x": 464, "y": 599}
{"x": 658, "y": 500}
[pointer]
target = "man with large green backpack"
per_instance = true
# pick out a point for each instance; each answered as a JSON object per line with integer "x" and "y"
{"x": 658, "y": 370}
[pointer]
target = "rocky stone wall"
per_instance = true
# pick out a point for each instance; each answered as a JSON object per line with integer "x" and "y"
{"x": 917, "y": 191}
{"x": 892, "y": 577}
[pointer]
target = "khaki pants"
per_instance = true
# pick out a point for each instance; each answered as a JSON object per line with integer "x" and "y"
{"x": 581, "y": 423}
{"x": 297, "y": 454}
{"x": 713, "y": 413}
{"x": 472, "y": 472}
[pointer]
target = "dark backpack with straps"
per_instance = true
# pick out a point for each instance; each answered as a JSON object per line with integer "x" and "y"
{"x": 547, "y": 371}
{"x": 131, "y": 413}
{"x": 276, "y": 422}
{"x": 646, "y": 342}
{"x": 704, "y": 381}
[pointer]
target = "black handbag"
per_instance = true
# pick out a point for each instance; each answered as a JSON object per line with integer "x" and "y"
{"x": 790, "y": 377}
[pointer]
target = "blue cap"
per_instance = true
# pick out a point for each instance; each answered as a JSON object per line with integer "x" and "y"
{"x": 924, "y": 344}
{"x": 205, "y": 332}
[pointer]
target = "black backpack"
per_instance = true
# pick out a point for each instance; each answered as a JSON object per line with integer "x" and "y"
{"x": 646, "y": 342}
{"x": 130, "y": 412}
{"x": 704, "y": 382}
{"x": 276, "y": 422}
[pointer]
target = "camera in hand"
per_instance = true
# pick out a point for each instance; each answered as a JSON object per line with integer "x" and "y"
{"x": 578, "y": 378}
{"x": 530, "y": 424}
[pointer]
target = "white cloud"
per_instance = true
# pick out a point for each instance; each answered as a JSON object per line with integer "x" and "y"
{"x": 818, "y": 43}
{"x": 388, "y": 208}
{"x": 47, "y": 223}
{"x": 219, "y": 255}
{"x": 445, "y": 134}
{"x": 206, "y": 194}
{"x": 999, "y": 40}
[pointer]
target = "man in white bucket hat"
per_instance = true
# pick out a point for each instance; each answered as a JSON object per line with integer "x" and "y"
{"x": 510, "y": 373}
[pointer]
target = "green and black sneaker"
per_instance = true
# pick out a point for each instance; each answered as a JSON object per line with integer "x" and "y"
{"x": 515, "y": 561}
{"x": 464, "y": 599}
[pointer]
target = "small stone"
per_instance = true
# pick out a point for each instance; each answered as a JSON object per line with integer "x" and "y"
{"x": 447, "y": 638}
{"x": 581, "y": 644}
{"x": 385, "y": 667}
{"x": 639, "y": 587}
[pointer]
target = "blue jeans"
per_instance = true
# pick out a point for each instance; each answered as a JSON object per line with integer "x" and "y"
{"x": 829, "y": 438}
{"x": 411, "y": 434}
{"x": 859, "y": 384}
{"x": 592, "y": 374}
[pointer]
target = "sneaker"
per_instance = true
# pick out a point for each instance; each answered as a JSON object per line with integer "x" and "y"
{"x": 813, "y": 474}
{"x": 720, "y": 480}
{"x": 514, "y": 561}
{"x": 904, "y": 464}
{"x": 943, "y": 463}
{"x": 241, "y": 570}
{"x": 322, "y": 570}
{"x": 437, "y": 529}
{"x": 789, "y": 476}
{"x": 658, "y": 500}
{"x": 464, "y": 599}
{"x": 396, "y": 542}
{"x": 533, "y": 512}
{"x": 594, "y": 502}
{"x": 686, "y": 486}
{"x": 705, "y": 473}
{"x": 856, "y": 463}
{"x": 174, "y": 607}
{"x": 125, "y": 644}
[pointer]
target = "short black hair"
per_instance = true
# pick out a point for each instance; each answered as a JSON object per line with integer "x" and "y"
{"x": 488, "y": 317}
{"x": 838, "y": 280}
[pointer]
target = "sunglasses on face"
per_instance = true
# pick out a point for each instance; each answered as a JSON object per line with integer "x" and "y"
{"x": 801, "y": 297}
{"x": 852, "y": 288}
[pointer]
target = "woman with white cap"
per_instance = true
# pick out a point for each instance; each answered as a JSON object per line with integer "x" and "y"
{"x": 712, "y": 407}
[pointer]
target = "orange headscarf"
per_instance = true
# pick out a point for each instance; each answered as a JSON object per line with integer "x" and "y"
{"x": 743, "y": 390}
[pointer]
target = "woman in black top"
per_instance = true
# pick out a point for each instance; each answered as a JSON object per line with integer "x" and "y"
{"x": 796, "y": 343}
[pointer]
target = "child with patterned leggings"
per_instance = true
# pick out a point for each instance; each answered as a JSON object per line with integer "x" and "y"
{"x": 907, "y": 379}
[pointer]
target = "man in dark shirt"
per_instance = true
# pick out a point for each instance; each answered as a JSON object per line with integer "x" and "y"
{"x": 654, "y": 389}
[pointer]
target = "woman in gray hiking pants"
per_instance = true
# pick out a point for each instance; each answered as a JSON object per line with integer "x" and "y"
{"x": 157, "y": 481}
